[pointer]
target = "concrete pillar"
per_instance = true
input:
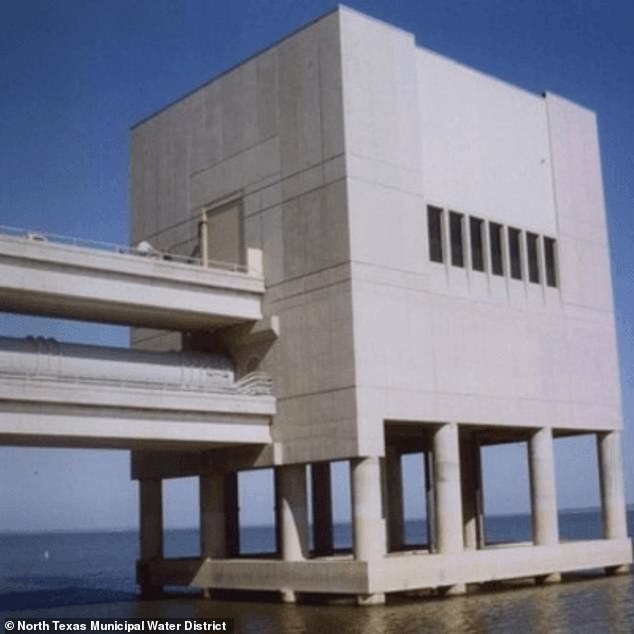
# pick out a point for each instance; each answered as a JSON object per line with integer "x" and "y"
{"x": 448, "y": 495}
{"x": 292, "y": 517}
{"x": 612, "y": 491}
{"x": 151, "y": 531}
{"x": 394, "y": 498}
{"x": 447, "y": 489}
{"x": 611, "y": 483}
{"x": 151, "y": 518}
{"x": 471, "y": 487}
{"x": 323, "y": 538}
{"x": 430, "y": 500}
{"x": 292, "y": 511}
{"x": 368, "y": 521}
{"x": 543, "y": 493}
{"x": 212, "y": 516}
{"x": 232, "y": 515}
{"x": 203, "y": 238}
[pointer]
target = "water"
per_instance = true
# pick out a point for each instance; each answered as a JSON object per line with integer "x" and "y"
{"x": 92, "y": 575}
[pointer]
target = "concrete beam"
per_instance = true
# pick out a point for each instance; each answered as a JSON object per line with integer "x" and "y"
{"x": 323, "y": 538}
{"x": 213, "y": 542}
{"x": 59, "y": 280}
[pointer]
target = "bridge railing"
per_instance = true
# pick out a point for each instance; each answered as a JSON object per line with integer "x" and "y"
{"x": 142, "y": 249}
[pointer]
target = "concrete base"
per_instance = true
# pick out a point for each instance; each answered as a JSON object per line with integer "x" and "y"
{"x": 288, "y": 596}
{"x": 554, "y": 577}
{"x": 370, "y": 581}
{"x": 618, "y": 570}
{"x": 453, "y": 591}
{"x": 378, "y": 598}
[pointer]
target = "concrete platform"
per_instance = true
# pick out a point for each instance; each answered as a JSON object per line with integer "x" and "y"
{"x": 46, "y": 278}
{"x": 394, "y": 573}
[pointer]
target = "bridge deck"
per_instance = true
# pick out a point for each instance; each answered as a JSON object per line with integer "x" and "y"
{"x": 43, "y": 277}
{"x": 67, "y": 413}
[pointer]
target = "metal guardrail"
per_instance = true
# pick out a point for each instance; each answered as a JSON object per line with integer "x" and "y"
{"x": 143, "y": 249}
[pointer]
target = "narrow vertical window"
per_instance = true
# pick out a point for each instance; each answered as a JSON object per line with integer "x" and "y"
{"x": 550, "y": 256}
{"x": 455, "y": 233}
{"x": 434, "y": 232}
{"x": 515, "y": 256}
{"x": 533, "y": 257}
{"x": 495, "y": 240}
{"x": 477, "y": 244}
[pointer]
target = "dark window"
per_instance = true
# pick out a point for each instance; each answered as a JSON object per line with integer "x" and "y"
{"x": 533, "y": 257}
{"x": 455, "y": 233}
{"x": 550, "y": 256}
{"x": 515, "y": 254}
{"x": 495, "y": 239}
{"x": 434, "y": 231}
{"x": 477, "y": 248}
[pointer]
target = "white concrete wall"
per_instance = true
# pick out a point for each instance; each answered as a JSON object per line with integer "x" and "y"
{"x": 271, "y": 130}
{"x": 484, "y": 144}
{"x": 337, "y": 138}
{"x": 435, "y": 342}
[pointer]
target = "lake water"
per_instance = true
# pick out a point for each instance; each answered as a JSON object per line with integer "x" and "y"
{"x": 92, "y": 575}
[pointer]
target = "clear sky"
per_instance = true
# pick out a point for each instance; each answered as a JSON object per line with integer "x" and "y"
{"x": 76, "y": 75}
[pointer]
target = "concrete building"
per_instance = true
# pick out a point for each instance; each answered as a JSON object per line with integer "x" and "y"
{"x": 421, "y": 265}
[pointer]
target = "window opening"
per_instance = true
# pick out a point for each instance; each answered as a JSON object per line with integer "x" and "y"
{"x": 495, "y": 238}
{"x": 476, "y": 225}
{"x": 434, "y": 232}
{"x": 550, "y": 247}
{"x": 457, "y": 245}
{"x": 515, "y": 253}
{"x": 533, "y": 257}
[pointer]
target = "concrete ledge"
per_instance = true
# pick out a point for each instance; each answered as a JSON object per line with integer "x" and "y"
{"x": 319, "y": 576}
{"x": 78, "y": 283}
{"x": 394, "y": 573}
{"x": 50, "y": 413}
{"x": 95, "y": 394}
{"x": 411, "y": 572}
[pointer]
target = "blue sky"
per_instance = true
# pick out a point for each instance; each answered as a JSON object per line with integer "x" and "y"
{"x": 76, "y": 75}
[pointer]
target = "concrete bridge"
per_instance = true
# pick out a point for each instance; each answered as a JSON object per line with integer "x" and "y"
{"x": 57, "y": 394}
{"x": 53, "y": 277}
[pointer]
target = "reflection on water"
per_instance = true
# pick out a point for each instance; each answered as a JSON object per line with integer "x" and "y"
{"x": 593, "y": 605}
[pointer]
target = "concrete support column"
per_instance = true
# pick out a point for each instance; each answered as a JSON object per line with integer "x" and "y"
{"x": 448, "y": 495}
{"x": 203, "y": 238}
{"x": 471, "y": 491}
{"x": 542, "y": 483}
{"x": 232, "y": 515}
{"x": 151, "y": 530}
{"x": 212, "y": 516}
{"x": 543, "y": 493}
{"x": 430, "y": 500}
{"x": 368, "y": 520}
{"x": 611, "y": 483}
{"x": 394, "y": 498}
{"x": 447, "y": 489}
{"x": 612, "y": 491}
{"x": 292, "y": 511}
{"x": 322, "y": 508}
{"x": 151, "y": 518}
{"x": 292, "y": 518}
